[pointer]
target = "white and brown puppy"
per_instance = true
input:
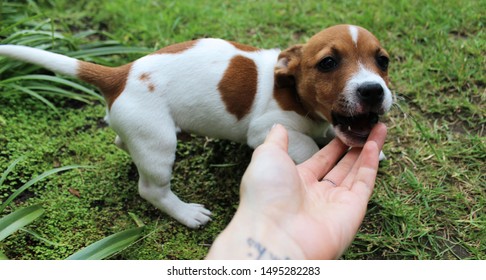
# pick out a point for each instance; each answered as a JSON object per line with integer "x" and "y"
{"x": 226, "y": 90}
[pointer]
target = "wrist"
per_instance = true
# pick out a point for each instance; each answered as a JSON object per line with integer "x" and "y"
{"x": 251, "y": 236}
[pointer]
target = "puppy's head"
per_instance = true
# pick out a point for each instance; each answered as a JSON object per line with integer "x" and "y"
{"x": 341, "y": 75}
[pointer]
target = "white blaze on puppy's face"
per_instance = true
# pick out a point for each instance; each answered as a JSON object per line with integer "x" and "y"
{"x": 353, "y": 30}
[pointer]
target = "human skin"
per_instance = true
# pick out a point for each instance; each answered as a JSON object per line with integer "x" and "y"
{"x": 288, "y": 211}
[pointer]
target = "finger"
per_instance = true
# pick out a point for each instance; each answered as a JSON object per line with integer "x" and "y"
{"x": 364, "y": 181}
{"x": 366, "y": 176}
{"x": 378, "y": 135}
{"x": 278, "y": 136}
{"x": 376, "y": 138}
{"x": 324, "y": 160}
{"x": 341, "y": 170}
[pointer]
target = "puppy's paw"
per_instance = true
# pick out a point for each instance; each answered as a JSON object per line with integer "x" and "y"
{"x": 193, "y": 215}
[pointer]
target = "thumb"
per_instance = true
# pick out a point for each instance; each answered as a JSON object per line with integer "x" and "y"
{"x": 278, "y": 136}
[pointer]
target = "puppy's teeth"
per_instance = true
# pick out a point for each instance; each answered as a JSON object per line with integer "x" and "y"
{"x": 349, "y": 128}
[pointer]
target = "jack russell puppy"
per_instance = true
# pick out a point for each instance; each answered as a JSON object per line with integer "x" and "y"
{"x": 227, "y": 90}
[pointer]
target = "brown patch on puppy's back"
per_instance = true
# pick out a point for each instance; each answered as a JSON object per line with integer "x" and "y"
{"x": 242, "y": 47}
{"x": 110, "y": 80}
{"x": 238, "y": 86}
{"x": 176, "y": 48}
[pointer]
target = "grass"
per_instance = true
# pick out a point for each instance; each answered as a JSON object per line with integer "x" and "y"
{"x": 20, "y": 218}
{"x": 430, "y": 198}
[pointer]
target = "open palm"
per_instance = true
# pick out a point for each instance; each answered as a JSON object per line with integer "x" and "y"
{"x": 319, "y": 205}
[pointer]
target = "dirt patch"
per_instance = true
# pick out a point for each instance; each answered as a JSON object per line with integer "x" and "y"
{"x": 447, "y": 244}
{"x": 459, "y": 34}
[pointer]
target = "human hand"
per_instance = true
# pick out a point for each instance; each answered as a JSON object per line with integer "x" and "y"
{"x": 289, "y": 211}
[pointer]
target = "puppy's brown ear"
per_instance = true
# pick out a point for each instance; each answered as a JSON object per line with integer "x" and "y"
{"x": 287, "y": 66}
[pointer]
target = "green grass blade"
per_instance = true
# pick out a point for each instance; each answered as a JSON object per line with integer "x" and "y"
{"x": 223, "y": 165}
{"x": 37, "y": 179}
{"x": 426, "y": 135}
{"x": 31, "y": 40}
{"x": 7, "y": 29}
{"x": 107, "y": 51}
{"x": 18, "y": 219}
{"x": 9, "y": 169}
{"x": 36, "y": 95}
{"x": 3, "y": 257}
{"x": 136, "y": 219}
{"x": 54, "y": 79}
{"x": 38, "y": 236}
{"x": 108, "y": 246}
{"x": 32, "y": 37}
{"x": 58, "y": 91}
{"x": 85, "y": 34}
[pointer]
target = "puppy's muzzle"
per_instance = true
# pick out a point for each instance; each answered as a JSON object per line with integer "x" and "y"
{"x": 353, "y": 124}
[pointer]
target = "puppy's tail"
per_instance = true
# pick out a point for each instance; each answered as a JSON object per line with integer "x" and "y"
{"x": 110, "y": 80}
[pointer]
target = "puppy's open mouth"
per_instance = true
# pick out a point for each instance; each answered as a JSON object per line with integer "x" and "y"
{"x": 354, "y": 130}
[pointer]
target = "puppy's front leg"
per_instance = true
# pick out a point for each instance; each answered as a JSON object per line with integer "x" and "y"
{"x": 301, "y": 147}
{"x": 152, "y": 146}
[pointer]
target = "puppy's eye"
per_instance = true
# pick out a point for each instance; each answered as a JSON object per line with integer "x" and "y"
{"x": 382, "y": 62}
{"x": 327, "y": 64}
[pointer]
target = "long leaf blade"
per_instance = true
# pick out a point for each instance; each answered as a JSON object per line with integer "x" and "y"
{"x": 36, "y": 95}
{"x": 107, "y": 51}
{"x": 38, "y": 236}
{"x": 108, "y": 246}
{"x": 37, "y": 179}
{"x": 9, "y": 169}
{"x": 18, "y": 219}
{"x": 58, "y": 91}
{"x": 55, "y": 79}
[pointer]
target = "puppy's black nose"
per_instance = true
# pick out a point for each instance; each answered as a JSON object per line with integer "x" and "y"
{"x": 371, "y": 93}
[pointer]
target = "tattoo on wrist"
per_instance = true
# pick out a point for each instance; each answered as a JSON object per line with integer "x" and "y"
{"x": 259, "y": 251}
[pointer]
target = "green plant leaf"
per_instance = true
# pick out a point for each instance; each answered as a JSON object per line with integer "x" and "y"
{"x": 38, "y": 236}
{"x": 108, "y": 246}
{"x": 18, "y": 219}
{"x": 58, "y": 91}
{"x": 102, "y": 51}
{"x": 3, "y": 257}
{"x": 7, "y": 29}
{"x": 137, "y": 220}
{"x": 36, "y": 95}
{"x": 37, "y": 179}
{"x": 54, "y": 79}
{"x": 9, "y": 169}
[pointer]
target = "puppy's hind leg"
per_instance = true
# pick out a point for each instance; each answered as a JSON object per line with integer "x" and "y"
{"x": 152, "y": 146}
